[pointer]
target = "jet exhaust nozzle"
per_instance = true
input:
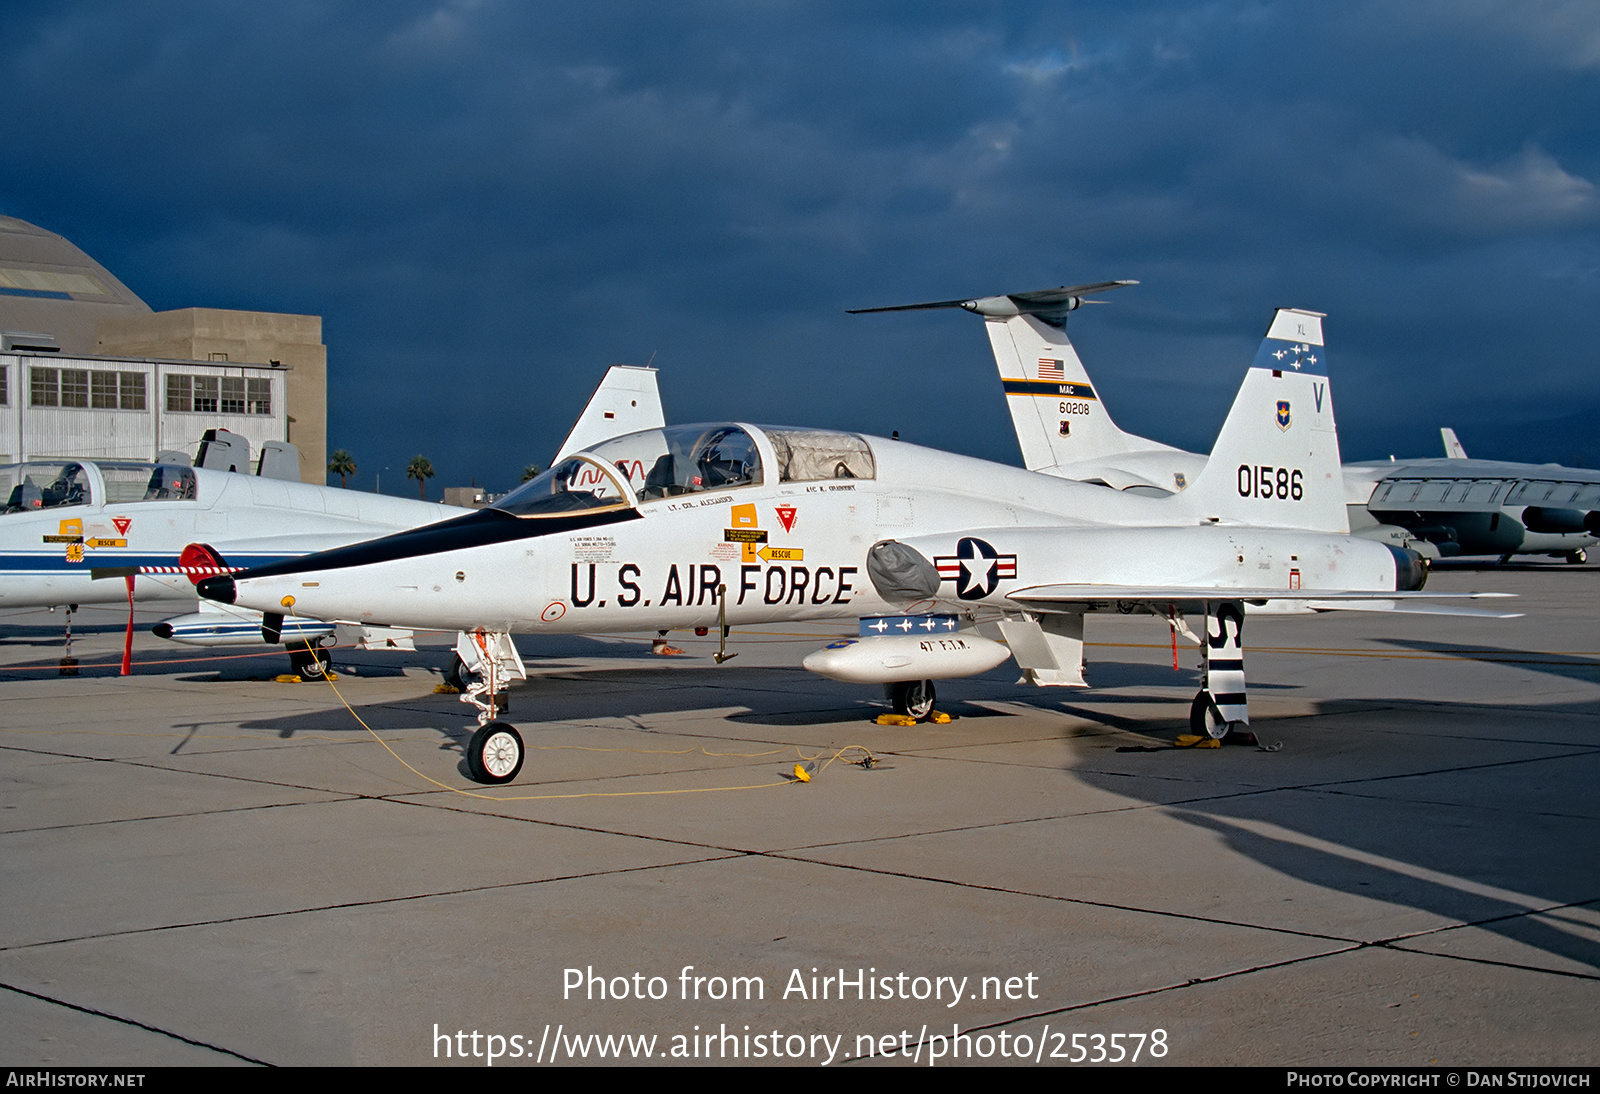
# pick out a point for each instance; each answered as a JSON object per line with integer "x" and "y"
{"x": 1410, "y": 570}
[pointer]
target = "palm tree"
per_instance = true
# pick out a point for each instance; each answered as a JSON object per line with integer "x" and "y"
{"x": 421, "y": 469}
{"x": 531, "y": 472}
{"x": 343, "y": 464}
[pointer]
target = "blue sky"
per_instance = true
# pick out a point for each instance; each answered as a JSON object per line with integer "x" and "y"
{"x": 490, "y": 202}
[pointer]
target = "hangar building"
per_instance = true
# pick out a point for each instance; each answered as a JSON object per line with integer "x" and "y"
{"x": 88, "y": 370}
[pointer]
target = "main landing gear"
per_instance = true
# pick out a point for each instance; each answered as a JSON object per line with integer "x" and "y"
{"x": 309, "y": 664}
{"x": 913, "y": 698}
{"x": 1220, "y": 707}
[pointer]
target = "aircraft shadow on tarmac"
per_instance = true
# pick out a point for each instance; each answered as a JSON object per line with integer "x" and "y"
{"x": 1571, "y": 666}
{"x": 555, "y": 695}
{"x": 52, "y": 634}
{"x": 1500, "y": 839}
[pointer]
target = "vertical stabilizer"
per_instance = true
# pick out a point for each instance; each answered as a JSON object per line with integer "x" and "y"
{"x": 1276, "y": 461}
{"x": 1057, "y": 415}
{"x": 1453, "y": 449}
{"x": 626, "y": 401}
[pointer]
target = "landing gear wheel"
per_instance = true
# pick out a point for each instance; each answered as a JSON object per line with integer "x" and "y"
{"x": 1205, "y": 720}
{"x": 1578, "y": 557}
{"x": 313, "y": 664}
{"x": 913, "y": 698}
{"x": 456, "y": 674}
{"x": 494, "y": 755}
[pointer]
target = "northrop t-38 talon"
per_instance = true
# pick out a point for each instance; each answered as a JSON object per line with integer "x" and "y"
{"x": 731, "y": 524}
{"x": 80, "y": 531}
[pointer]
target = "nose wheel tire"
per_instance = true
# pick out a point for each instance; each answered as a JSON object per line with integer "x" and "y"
{"x": 913, "y": 698}
{"x": 494, "y": 755}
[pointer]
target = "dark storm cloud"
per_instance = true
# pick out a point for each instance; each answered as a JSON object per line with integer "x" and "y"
{"x": 488, "y": 202}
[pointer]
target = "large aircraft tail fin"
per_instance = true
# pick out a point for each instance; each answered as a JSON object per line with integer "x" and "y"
{"x": 1058, "y": 418}
{"x": 1453, "y": 448}
{"x": 1276, "y": 462}
{"x": 626, "y": 401}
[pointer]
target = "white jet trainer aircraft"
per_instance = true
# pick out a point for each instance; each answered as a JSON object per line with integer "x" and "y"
{"x": 100, "y": 531}
{"x": 730, "y": 524}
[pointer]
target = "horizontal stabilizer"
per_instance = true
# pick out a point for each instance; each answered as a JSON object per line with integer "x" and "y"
{"x": 1409, "y": 608}
{"x": 1049, "y": 304}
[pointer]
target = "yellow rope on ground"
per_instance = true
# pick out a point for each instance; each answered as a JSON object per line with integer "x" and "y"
{"x": 867, "y": 762}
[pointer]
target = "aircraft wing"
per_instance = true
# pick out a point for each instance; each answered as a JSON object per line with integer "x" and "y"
{"x": 1059, "y": 597}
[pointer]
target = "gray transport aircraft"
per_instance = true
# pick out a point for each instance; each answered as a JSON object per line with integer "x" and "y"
{"x": 1438, "y": 507}
{"x": 945, "y": 565}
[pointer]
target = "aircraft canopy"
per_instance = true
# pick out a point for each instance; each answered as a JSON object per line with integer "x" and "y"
{"x": 51, "y": 484}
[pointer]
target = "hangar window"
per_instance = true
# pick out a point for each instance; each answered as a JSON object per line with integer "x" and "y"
{"x": 115, "y": 390}
{"x": 191, "y": 394}
{"x": 5, "y": 386}
{"x": 44, "y": 386}
{"x": 103, "y": 390}
{"x": 130, "y": 391}
{"x": 75, "y": 387}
